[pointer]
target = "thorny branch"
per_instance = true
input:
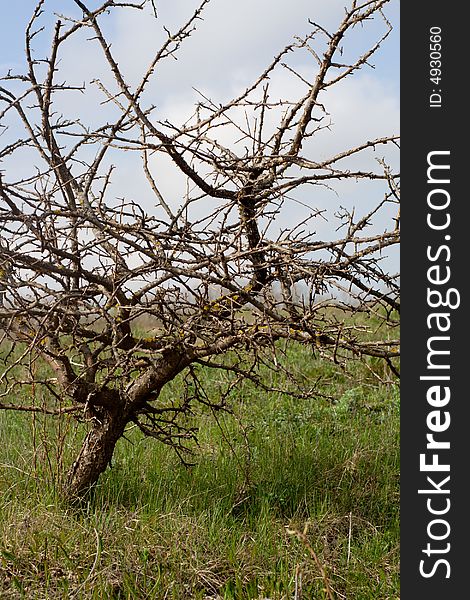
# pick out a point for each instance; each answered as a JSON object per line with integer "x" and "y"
{"x": 118, "y": 296}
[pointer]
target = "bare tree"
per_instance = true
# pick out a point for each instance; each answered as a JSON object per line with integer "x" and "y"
{"x": 117, "y": 296}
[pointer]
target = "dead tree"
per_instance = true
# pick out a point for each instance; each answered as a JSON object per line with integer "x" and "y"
{"x": 114, "y": 297}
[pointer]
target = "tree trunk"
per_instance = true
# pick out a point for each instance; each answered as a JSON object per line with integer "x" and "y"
{"x": 96, "y": 453}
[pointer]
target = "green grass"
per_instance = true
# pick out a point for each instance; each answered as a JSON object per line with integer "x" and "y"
{"x": 220, "y": 529}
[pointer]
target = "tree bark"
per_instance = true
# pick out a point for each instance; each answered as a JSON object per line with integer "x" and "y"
{"x": 96, "y": 453}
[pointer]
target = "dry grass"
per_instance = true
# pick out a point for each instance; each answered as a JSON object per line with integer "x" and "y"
{"x": 219, "y": 530}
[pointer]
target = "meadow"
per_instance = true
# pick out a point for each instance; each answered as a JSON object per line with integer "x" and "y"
{"x": 287, "y": 499}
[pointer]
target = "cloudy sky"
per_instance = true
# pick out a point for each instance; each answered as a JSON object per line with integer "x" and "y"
{"x": 233, "y": 43}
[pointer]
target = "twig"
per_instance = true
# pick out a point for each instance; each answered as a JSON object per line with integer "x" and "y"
{"x": 303, "y": 538}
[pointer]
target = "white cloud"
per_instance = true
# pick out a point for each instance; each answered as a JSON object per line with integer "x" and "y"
{"x": 230, "y": 36}
{"x": 231, "y": 46}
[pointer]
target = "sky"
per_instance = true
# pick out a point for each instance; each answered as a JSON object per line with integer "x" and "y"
{"x": 235, "y": 33}
{"x": 233, "y": 43}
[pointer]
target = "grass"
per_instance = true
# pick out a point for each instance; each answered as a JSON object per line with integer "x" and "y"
{"x": 224, "y": 528}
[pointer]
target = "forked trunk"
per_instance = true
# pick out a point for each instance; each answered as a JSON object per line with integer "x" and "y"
{"x": 95, "y": 454}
